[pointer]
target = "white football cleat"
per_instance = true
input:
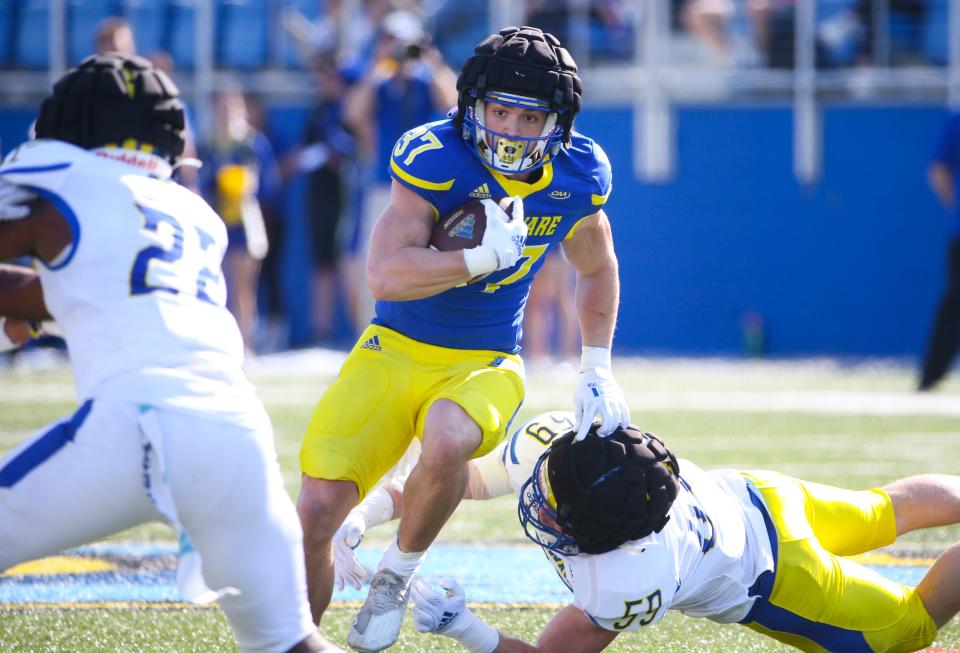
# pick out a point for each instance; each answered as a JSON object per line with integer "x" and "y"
{"x": 378, "y": 623}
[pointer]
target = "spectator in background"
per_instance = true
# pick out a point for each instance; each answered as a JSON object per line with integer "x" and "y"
{"x": 407, "y": 84}
{"x": 238, "y": 175}
{"x": 328, "y": 156}
{"x": 273, "y": 332}
{"x": 550, "y": 326}
{"x": 944, "y": 176}
{"x": 114, "y": 34}
{"x": 709, "y": 21}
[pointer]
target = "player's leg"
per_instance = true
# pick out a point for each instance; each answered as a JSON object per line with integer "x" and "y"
{"x": 466, "y": 416}
{"x": 322, "y": 506}
{"x": 437, "y": 482}
{"x": 821, "y": 601}
{"x": 923, "y": 502}
{"x": 229, "y": 495}
{"x": 75, "y": 481}
{"x": 945, "y": 336}
{"x": 360, "y": 428}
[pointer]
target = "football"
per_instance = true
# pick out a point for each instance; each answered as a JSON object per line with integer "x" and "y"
{"x": 463, "y": 227}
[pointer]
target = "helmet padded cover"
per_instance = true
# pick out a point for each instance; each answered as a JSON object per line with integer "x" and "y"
{"x": 525, "y": 61}
{"x": 110, "y": 98}
{"x": 612, "y": 490}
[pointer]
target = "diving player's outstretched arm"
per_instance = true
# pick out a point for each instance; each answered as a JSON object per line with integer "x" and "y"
{"x": 440, "y": 607}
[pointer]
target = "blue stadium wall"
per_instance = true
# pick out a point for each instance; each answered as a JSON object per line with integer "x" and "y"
{"x": 850, "y": 266}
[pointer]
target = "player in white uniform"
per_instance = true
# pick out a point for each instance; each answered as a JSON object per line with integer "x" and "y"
{"x": 168, "y": 428}
{"x": 643, "y": 532}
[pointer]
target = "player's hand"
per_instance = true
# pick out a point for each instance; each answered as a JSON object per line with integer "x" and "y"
{"x": 506, "y": 233}
{"x": 440, "y": 606}
{"x": 13, "y": 333}
{"x": 437, "y": 605}
{"x": 13, "y": 200}
{"x": 599, "y": 395}
{"x": 347, "y": 569}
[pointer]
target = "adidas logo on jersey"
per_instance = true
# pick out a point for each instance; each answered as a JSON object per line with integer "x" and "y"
{"x": 373, "y": 343}
{"x": 481, "y": 192}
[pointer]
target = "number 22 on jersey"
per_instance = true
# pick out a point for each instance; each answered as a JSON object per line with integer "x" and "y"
{"x": 178, "y": 262}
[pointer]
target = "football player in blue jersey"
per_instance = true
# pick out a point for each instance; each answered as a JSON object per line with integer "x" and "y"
{"x": 440, "y": 360}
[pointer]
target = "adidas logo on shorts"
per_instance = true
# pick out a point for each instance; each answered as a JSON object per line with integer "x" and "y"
{"x": 481, "y": 192}
{"x": 373, "y": 343}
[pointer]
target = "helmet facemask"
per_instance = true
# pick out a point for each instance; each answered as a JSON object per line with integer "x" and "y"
{"x": 538, "y": 513}
{"x": 511, "y": 154}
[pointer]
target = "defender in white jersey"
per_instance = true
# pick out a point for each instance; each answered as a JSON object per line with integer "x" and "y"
{"x": 128, "y": 265}
{"x": 633, "y": 532}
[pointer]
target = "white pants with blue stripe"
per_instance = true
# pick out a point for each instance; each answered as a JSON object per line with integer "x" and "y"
{"x": 90, "y": 476}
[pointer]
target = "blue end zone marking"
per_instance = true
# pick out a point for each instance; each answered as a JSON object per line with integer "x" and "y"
{"x": 43, "y": 448}
{"x": 494, "y": 574}
{"x": 71, "y": 218}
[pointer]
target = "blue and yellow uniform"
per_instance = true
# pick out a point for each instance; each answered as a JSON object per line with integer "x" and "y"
{"x": 460, "y": 344}
{"x": 818, "y": 600}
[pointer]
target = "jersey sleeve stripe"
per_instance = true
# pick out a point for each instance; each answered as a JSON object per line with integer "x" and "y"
{"x": 576, "y": 226}
{"x": 31, "y": 169}
{"x": 64, "y": 258}
{"x": 600, "y": 200}
{"x": 419, "y": 183}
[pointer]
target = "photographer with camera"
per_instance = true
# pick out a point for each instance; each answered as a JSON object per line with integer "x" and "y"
{"x": 407, "y": 84}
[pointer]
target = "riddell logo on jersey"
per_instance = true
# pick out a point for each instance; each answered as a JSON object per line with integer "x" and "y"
{"x": 559, "y": 194}
{"x": 481, "y": 192}
{"x": 373, "y": 344}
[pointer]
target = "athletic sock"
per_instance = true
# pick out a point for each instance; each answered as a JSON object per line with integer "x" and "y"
{"x": 400, "y": 562}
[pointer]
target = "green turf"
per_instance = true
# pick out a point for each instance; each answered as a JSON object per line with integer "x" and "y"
{"x": 853, "y": 450}
{"x": 150, "y": 630}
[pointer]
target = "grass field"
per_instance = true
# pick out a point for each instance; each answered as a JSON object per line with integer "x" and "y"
{"x": 855, "y": 425}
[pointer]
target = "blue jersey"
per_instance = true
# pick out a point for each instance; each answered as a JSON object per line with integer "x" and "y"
{"x": 435, "y": 162}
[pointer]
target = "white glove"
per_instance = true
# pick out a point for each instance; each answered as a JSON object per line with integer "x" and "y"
{"x": 440, "y": 606}
{"x": 503, "y": 239}
{"x": 12, "y": 201}
{"x": 598, "y": 394}
{"x": 346, "y": 566}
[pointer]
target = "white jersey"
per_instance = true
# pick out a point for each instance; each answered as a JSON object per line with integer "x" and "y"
{"x": 702, "y": 563}
{"x": 139, "y": 292}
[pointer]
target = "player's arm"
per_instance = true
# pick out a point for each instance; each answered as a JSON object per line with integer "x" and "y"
{"x": 590, "y": 252}
{"x": 440, "y": 607}
{"x": 941, "y": 181}
{"x": 570, "y": 630}
{"x": 400, "y": 266}
{"x": 21, "y": 295}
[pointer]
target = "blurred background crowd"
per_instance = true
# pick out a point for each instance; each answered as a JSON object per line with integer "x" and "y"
{"x": 295, "y": 105}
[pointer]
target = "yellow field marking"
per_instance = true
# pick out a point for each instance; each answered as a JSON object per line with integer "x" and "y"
{"x": 60, "y": 565}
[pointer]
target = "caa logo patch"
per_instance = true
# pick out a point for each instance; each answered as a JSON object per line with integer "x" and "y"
{"x": 559, "y": 194}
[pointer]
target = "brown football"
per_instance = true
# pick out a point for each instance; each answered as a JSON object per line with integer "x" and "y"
{"x": 463, "y": 227}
